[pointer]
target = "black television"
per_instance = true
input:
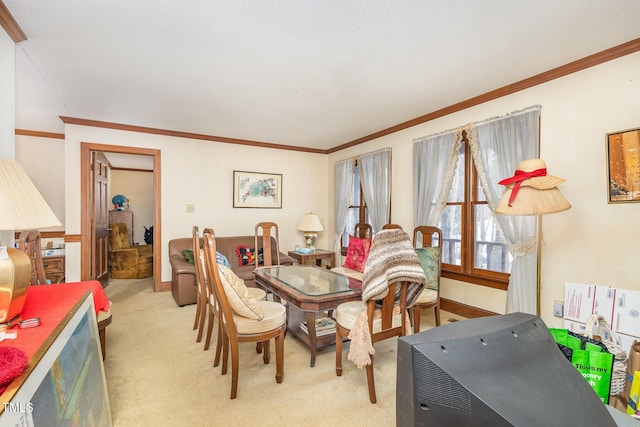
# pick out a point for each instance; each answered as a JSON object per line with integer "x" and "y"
{"x": 503, "y": 370}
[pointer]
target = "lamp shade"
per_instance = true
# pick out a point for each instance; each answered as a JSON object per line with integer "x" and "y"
{"x": 310, "y": 222}
{"x": 21, "y": 204}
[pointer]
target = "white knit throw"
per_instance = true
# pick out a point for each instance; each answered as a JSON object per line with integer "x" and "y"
{"x": 392, "y": 259}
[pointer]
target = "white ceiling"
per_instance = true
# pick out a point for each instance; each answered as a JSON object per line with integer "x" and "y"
{"x": 295, "y": 72}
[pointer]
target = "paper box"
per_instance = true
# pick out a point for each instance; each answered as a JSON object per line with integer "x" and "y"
{"x": 626, "y": 313}
{"x": 578, "y": 301}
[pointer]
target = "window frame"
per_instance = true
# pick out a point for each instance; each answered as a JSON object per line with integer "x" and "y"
{"x": 467, "y": 272}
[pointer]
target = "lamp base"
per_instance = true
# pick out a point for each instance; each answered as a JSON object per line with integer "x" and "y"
{"x": 11, "y": 323}
{"x": 15, "y": 275}
{"x": 310, "y": 239}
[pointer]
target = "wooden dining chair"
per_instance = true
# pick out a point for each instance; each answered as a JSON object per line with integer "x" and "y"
{"x": 243, "y": 318}
{"x": 429, "y": 239}
{"x": 30, "y": 242}
{"x": 383, "y": 322}
{"x": 201, "y": 297}
{"x": 267, "y": 230}
{"x": 363, "y": 230}
{"x": 391, "y": 227}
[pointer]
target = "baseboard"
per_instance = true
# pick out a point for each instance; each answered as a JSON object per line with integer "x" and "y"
{"x": 165, "y": 286}
{"x": 464, "y": 310}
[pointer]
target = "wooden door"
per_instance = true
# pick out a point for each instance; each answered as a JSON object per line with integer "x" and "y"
{"x": 99, "y": 218}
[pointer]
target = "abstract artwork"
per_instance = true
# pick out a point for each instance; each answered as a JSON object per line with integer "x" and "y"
{"x": 257, "y": 190}
{"x": 623, "y": 166}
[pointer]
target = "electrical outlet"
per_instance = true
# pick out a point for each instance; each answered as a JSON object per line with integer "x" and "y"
{"x": 558, "y": 308}
{"x": 189, "y": 208}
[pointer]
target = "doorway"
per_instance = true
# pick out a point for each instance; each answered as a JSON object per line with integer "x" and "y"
{"x": 87, "y": 201}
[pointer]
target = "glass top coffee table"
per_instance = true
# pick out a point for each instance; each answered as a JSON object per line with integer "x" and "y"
{"x": 311, "y": 293}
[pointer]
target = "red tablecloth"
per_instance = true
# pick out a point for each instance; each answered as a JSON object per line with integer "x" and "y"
{"x": 51, "y": 303}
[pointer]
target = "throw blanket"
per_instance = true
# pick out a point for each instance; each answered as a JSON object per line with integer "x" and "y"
{"x": 392, "y": 259}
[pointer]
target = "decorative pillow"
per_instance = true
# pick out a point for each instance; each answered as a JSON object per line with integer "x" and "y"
{"x": 220, "y": 259}
{"x": 247, "y": 255}
{"x": 188, "y": 255}
{"x": 429, "y": 258}
{"x": 238, "y": 295}
{"x": 357, "y": 253}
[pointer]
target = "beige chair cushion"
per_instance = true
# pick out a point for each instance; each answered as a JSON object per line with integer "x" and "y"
{"x": 348, "y": 272}
{"x": 347, "y": 312}
{"x": 240, "y": 300}
{"x": 274, "y": 316}
{"x": 427, "y": 296}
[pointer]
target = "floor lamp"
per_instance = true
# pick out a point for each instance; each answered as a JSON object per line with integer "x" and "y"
{"x": 531, "y": 191}
{"x": 23, "y": 207}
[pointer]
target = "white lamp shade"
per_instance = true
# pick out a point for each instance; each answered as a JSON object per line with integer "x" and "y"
{"x": 310, "y": 222}
{"x": 22, "y": 206}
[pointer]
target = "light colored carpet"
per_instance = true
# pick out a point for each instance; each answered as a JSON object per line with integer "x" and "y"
{"x": 158, "y": 375}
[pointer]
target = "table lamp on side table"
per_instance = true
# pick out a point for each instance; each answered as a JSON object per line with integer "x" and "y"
{"x": 21, "y": 207}
{"x": 310, "y": 224}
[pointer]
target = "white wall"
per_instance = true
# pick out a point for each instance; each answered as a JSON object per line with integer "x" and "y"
{"x": 201, "y": 173}
{"x": 594, "y": 242}
{"x": 7, "y": 109}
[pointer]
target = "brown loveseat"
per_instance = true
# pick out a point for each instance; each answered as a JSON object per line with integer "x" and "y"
{"x": 183, "y": 273}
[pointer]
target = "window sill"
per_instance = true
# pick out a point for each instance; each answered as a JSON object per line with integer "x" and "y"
{"x": 476, "y": 280}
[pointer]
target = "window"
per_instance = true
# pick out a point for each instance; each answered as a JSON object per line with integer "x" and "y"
{"x": 473, "y": 248}
{"x": 357, "y": 209}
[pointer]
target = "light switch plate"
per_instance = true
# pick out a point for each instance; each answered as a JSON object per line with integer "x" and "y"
{"x": 558, "y": 309}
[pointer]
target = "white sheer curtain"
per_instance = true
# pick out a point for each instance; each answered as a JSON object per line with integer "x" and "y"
{"x": 497, "y": 146}
{"x": 375, "y": 178}
{"x": 342, "y": 188}
{"x": 434, "y": 165}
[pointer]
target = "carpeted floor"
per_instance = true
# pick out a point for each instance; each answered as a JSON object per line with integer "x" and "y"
{"x": 157, "y": 375}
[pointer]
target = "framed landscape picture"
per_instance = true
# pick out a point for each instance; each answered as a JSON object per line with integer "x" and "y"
{"x": 623, "y": 166}
{"x": 257, "y": 190}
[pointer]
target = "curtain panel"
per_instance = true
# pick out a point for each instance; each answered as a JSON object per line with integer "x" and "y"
{"x": 496, "y": 145}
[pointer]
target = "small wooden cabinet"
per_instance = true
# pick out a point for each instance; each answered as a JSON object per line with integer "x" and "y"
{"x": 54, "y": 268}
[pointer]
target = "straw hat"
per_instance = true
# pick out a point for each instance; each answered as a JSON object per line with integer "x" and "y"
{"x": 541, "y": 181}
{"x": 531, "y": 191}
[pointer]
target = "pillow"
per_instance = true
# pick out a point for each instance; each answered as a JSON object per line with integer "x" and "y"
{"x": 188, "y": 255}
{"x": 357, "y": 253}
{"x": 220, "y": 259}
{"x": 247, "y": 255}
{"x": 429, "y": 258}
{"x": 238, "y": 295}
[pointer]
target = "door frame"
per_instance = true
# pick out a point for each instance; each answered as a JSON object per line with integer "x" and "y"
{"x": 85, "y": 206}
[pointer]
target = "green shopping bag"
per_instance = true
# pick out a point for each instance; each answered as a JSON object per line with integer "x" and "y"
{"x": 589, "y": 357}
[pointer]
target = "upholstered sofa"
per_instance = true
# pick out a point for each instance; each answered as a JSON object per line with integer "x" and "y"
{"x": 183, "y": 273}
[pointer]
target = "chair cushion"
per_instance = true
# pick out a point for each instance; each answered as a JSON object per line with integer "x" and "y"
{"x": 427, "y": 296}
{"x": 348, "y": 272}
{"x": 357, "y": 253}
{"x": 429, "y": 258}
{"x": 347, "y": 312}
{"x": 274, "y": 316}
{"x": 238, "y": 295}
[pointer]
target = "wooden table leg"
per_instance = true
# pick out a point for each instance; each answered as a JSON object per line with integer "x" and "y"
{"x": 311, "y": 327}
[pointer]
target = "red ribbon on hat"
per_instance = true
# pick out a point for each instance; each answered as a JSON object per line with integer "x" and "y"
{"x": 518, "y": 178}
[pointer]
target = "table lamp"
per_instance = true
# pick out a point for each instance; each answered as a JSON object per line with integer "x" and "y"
{"x": 310, "y": 224}
{"x": 23, "y": 207}
{"x": 531, "y": 191}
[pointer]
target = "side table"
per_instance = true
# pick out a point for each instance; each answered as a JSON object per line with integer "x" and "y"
{"x": 315, "y": 258}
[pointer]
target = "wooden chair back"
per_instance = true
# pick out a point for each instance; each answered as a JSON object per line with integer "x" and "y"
{"x": 391, "y": 227}
{"x": 363, "y": 230}
{"x": 267, "y": 230}
{"x": 30, "y": 243}
{"x": 427, "y": 236}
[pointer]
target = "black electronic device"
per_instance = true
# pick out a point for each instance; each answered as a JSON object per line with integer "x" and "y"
{"x": 492, "y": 371}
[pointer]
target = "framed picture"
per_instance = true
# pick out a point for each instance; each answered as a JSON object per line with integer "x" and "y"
{"x": 623, "y": 166}
{"x": 257, "y": 190}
